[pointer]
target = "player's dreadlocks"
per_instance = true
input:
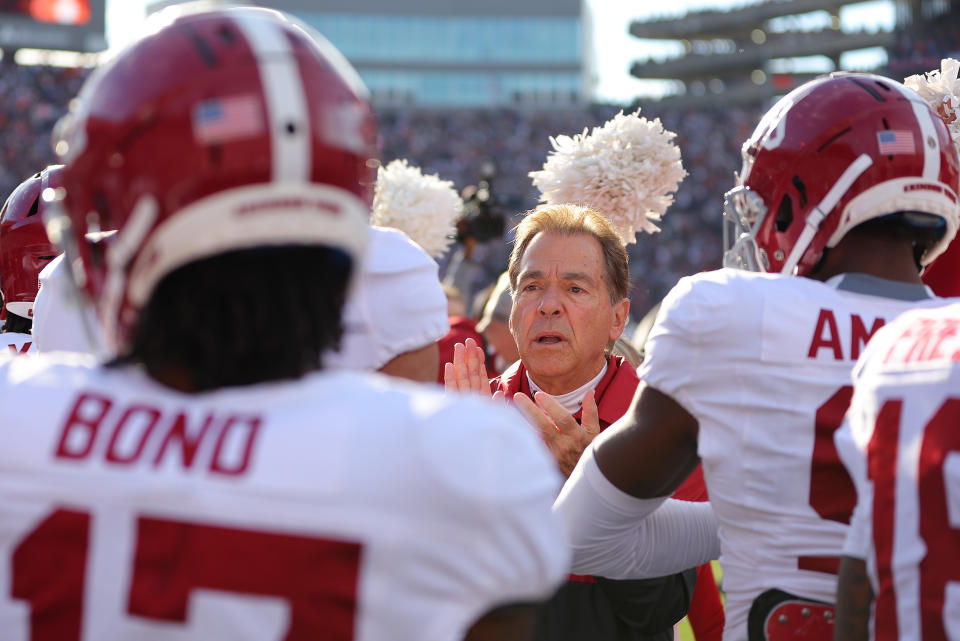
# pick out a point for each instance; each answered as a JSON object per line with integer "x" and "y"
{"x": 17, "y": 324}
{"x": 244, "y": 317}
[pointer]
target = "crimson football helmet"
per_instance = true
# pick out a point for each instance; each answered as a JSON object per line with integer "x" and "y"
{"x": 833, "y": 153}
{"x": 218, "y": 131}
{"x": 24, "y": 247}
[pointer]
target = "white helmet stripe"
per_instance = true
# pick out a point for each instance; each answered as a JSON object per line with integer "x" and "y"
{"x": 818, "y": 213}
{"x": 257, "y": 215}
{"x": 121, "y": 250}
{"x": 928, "y": 134}
{"x": 286, "y": 104}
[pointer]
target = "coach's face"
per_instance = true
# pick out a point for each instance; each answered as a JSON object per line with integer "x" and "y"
{"x": 562, "y": 317}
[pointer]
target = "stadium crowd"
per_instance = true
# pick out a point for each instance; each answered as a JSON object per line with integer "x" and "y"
{"x": 32, "y": 98}
{"x": 454, "y": 144}
{"x": 921, "y": 47}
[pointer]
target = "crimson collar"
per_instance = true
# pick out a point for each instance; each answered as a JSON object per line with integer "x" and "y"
{"x": 614, "y": 392}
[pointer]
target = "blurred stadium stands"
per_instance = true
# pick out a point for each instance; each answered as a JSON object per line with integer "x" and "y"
{"x": 454, "y": 143}
{"x": 73, "y": 25}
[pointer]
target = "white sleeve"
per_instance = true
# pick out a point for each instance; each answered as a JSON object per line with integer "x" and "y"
{"x": 852, "y": 440}
{"x": 492, "y": 473}
{"x": 697, "y": 334}
{"x": 61, "y": 319}
{"x": 397, "y": 305}
{"x": 858, "y": 542}
{"x": 672, "y": 351}
{"x": 618, "y": 536}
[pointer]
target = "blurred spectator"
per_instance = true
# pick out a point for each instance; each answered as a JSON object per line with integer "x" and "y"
{"x": 31, "y": 101}
{"x": 462, "y": 327}
{"x": 455, "y": 304}
{"x": 494, "y": 325}
{"x": 920, "y": 47}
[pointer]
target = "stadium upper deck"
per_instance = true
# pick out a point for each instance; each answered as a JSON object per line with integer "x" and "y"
{"x": 730, "y": 51}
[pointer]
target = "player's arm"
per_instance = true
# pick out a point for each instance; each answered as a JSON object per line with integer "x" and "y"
{"x": 652, "y": 450}
{"x": 505, "y": 623}
{"x": 854, "y": 601}
{"x": 854, "y": 590}
{"x": 615, "y": 504}
{"x": 419, "y": 364}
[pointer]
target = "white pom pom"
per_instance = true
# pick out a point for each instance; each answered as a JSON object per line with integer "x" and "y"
{"x": 625, "y": 170}
{"x": 941, "y": 89}
{"x": 425, "y": 208}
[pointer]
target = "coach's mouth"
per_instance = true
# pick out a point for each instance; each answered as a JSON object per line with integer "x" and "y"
{"x": 548, "y": 338}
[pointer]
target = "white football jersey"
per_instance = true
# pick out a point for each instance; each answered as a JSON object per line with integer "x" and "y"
{"x": 396, "y": 305}
{"x": 763, "y": 362}
{"x": 341, "y": 506}
{"x": 14, "y": 343}
{"x": 62, "y": 318}
{"x": 901, "y": 445}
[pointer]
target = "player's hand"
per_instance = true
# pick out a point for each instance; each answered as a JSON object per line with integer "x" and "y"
{"x": 468, "y": 371}
{"x": 565, "y": 438}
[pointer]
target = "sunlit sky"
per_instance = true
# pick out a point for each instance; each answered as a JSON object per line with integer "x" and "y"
{"x": 614, "y": 49}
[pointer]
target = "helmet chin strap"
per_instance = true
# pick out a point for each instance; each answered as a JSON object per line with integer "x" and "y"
{"x": 818, "y": 213}
{"x": 120, "y": 252}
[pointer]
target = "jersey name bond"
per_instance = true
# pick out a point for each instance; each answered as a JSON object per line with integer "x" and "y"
{"x": 136, "y": 434}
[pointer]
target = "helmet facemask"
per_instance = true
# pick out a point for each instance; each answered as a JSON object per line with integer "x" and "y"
{"x": 743, "y": 214}
{"x": 835, "y": 153}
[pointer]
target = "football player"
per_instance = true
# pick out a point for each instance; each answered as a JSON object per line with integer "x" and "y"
{"x": 392, "y": 319}
{"x": 208, "y": 483}
{"x": 900, "y": 573}
{"x": 63, "y": 320}
{"x": 396, "y": 312}
{"x": 24, "y": 251}
{"x": 848, "y": 188}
